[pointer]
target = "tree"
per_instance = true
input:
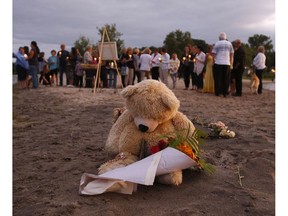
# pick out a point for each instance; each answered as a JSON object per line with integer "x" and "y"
{"x": 81, "y": 44}
{"x": 176, "y": 41}
{"x": 113, "y": 34}
{"x": 257, "y": 40}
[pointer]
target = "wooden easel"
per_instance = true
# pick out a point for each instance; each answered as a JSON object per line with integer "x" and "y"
{"x": 98, "y": 78}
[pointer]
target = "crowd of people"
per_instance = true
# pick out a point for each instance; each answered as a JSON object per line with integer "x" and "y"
{"x": 218, "y": 71}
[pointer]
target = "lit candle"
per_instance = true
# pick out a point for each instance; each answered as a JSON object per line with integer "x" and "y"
{"x": 194, "y": 60}
{"x": 189, "y": 56}
{"x": 130, "y": 56}
{"x": 160, "y": 59}
{"x": 25, "y": 56}
{"x": 112, "y": 64}
{"x": 60, "y": 53}
{"x": 184, "y": 58}
{"x": 272, "y": 70}
{"x": 95, "y": 58}
{"x": 67, "y": 58}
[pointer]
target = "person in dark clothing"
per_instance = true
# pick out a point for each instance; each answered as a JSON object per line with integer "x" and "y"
{"x": 187, "y": 66}
{"x": 238, "y": 67}
{"x": 63, "y": 55}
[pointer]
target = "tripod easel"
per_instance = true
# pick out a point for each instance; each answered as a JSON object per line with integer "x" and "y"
{"x": 98, "y": 78}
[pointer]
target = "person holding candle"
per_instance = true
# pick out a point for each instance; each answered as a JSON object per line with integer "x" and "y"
{"x": 53, "y": 63}
{"x": 187, "y": 66}
{"x": 200, "y": 58}
{"x": 22, "y": 67}
{"x": 155, "y": 64}
{"x": 62, "y": 55}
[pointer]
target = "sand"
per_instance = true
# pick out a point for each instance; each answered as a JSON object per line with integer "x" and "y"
{"x": 59, "y": 133}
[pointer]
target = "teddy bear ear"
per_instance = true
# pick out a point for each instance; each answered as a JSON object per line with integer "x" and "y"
{"x": 170, "y": 101}
{"x": 128, "y": 91}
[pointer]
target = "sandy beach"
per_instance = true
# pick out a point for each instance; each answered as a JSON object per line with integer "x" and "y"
{"x": 59, "y": 133}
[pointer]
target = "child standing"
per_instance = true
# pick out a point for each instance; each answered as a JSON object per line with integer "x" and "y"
{"x": 78, "y": 75}
{"x": 53, "y": 63}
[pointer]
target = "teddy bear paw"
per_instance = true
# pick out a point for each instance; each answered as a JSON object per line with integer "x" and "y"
{"x": 174, "y": 178}
{"x": 121, "y": 160}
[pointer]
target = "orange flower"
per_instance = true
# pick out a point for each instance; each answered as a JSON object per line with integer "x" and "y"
{"x": 186, "y": 149}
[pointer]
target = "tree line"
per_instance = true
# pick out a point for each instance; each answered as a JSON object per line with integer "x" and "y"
{"x": 176, "y": 41}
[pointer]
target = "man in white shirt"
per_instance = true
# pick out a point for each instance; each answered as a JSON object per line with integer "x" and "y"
{"x": 223, "y": 54}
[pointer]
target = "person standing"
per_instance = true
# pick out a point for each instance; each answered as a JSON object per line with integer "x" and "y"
{"x": 208, "y": 78}
{"x": 145, "y": 63}
{"x": 62, "y": 55}
{"x": 53, "y": 63}
{"x": 33, "y": 63}
{"x": 130, "y": 65}
{"x": 165, "y": 58}
{"x": 22, "y": 67}
{"x": 200, "y": 58}
{"x": 238, "y": 67}
{"x": 123, "y": 66}
{"x": 136, "y": 57}
{"x": 187, "y": 67}
{"x": 174, "y": 64}
{"x": 89, "y": 73}
{"x": 223, "y": 54}
{"x": 155, "y": 64}
{"x": 259, "y": 63}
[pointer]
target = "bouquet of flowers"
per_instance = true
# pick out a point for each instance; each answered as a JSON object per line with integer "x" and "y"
{"x": 220, "y": 129}
{"x": 189, "y": 144}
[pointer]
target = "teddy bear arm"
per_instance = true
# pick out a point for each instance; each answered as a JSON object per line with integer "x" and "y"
{"x": 180, "y": 122}
{"x": 113, "y": 140}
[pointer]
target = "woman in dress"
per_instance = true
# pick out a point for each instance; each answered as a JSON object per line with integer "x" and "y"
{"x": 208, "y": 79}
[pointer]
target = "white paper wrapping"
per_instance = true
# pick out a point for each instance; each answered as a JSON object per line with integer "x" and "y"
{"x": 124, "y": 180}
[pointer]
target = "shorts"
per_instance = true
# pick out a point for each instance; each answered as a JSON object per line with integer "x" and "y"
{"x": 54, "y": 72}
{"x": 22, "y": 73}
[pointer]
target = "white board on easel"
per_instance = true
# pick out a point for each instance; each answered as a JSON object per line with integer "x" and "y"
{"x": 109, "y": 51}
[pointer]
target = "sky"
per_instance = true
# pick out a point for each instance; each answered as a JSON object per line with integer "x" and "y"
{"x": 142, "y": 23}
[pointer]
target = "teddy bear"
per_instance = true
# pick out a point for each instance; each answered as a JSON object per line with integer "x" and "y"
{"x": 151, "y": 111}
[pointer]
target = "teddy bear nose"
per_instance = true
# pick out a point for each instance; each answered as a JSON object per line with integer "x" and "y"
{"x": 143, "y": 128}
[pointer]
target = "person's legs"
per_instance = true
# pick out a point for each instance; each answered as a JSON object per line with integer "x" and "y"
{"x": 186, "y": 76}
{"x": 238, "y": 82}
{"x": 33, "y": 72}
{"x": 259, "y": 75}
{"x": 216, "y": 76}
{"x": 155, "y": 73}
{"x": 61, "y": 76}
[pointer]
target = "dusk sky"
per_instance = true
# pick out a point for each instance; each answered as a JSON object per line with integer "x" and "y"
{"x": 142, "y": 23}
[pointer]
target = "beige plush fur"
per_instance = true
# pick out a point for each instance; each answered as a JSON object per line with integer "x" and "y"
{"x": 254, "y": 84}
{"x": 151, "y": 111}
